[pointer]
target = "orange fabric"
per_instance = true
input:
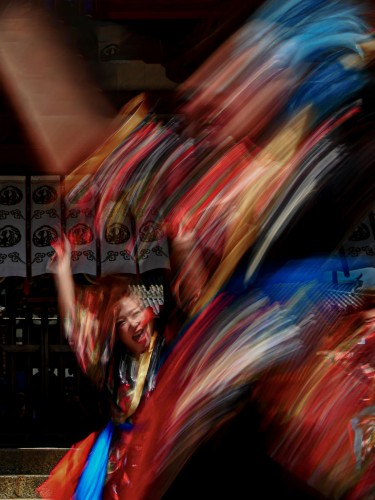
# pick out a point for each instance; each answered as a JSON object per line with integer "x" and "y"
{"x": 63, "y": 479}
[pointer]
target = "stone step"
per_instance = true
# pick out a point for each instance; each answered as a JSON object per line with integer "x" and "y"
{"x": 22, "y": 470}
{"x": 29, "y": 461}
{"x": 20, "y": 486}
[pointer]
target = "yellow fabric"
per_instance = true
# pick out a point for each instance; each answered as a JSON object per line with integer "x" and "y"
{"x": 130, "y": 116}
{"x": 144, "y": 364}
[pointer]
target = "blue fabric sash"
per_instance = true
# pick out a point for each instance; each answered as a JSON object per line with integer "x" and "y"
{"x": 91, "y": 483}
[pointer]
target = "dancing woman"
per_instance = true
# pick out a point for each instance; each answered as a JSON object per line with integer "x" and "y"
{"x": 118, "y": 346}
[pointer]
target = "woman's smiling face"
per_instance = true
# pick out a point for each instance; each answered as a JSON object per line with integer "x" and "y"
{"x": 133, "y": 325}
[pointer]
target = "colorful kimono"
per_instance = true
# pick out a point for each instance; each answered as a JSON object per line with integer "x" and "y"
{"x": 101, "y": 463}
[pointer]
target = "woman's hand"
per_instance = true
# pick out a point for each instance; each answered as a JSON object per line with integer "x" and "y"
{"x": 60, "y": 262}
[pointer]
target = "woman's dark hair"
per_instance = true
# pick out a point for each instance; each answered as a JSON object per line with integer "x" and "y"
{"x": 101, "y": 297}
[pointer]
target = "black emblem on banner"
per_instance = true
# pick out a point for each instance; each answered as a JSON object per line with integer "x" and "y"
{"x": 10, "y": 195}
{"x": 43, "y": 195}
{"x": 116, "y": 233}
{"x": 9, "y": 236}
{"x": 150, "y": 231}
{"x": 81, "y": 234}
{"x": 362, "y": 232}
{"x": 44, "y": 236}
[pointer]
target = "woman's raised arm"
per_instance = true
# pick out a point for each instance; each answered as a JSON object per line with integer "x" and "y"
{"x": 60, "y": 266}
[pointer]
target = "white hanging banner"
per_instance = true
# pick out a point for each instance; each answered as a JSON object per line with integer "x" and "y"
{"x": 126, "y": 246}
{"x": 12, "y": 226}
{"x": 79, "y": 226}
{"x": 152, "y": 245}
{"x": 117, "y": 244}
{"x": 359, "y": 248}
{"x": 45, "y": 220}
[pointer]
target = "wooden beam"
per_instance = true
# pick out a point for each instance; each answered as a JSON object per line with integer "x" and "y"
{"x": 162, "y": 9}
{"x": 59, "y": 107}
